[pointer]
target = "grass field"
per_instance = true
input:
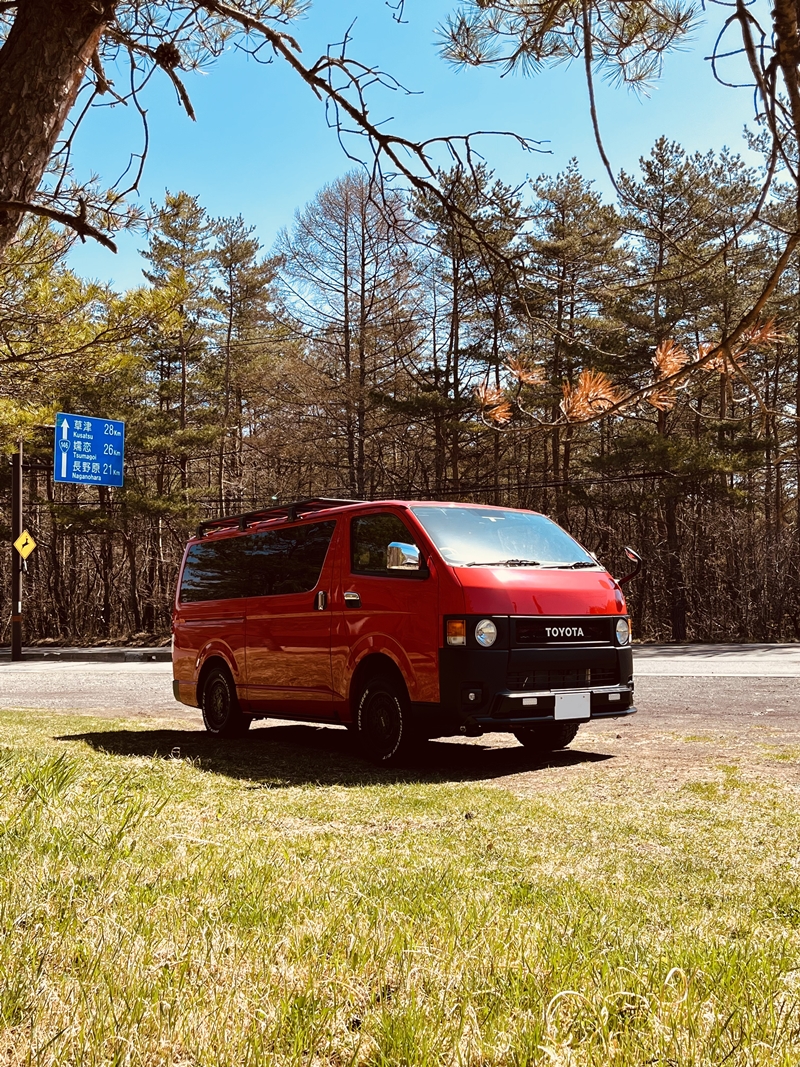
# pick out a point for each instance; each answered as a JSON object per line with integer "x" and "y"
{"x": 215, "y": 909}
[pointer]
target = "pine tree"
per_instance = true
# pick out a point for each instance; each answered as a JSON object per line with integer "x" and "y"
{"x": 243, "y": 330}
{"x": 574, "y": 259}
{"x": 180, "y": 268}
{"x": 475, "y": 264}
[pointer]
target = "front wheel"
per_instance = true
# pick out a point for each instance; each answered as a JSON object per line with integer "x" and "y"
{"x": 222, "y": 715}
{"x": 382, "y": 722}
{"x": 548, "y": 736}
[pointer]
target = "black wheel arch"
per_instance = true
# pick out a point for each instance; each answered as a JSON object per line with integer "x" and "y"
{"x": 374, "y": 665}
{"x": 207, "y": 668}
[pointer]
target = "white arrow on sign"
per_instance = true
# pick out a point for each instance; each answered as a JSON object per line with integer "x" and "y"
{"x": 64, "y": 444}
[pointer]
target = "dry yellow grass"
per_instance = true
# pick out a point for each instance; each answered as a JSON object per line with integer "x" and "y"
{"x": 213, "y": 911}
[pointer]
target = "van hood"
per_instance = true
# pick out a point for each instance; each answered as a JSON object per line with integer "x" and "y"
{"x": 528, "y": 591}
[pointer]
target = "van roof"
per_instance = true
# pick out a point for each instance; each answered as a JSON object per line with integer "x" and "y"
{"x": 305, "y": 508}
{"x": 282, "y": 511}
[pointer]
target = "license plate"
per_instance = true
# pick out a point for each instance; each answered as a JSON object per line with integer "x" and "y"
{"x": 573, "y": 705}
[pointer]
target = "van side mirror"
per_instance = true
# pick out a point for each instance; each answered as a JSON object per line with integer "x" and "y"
{"x": 402, "y": 557}
{"x": 634, "y": 557}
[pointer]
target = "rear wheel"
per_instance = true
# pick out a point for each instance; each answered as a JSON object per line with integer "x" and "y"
{"x": 382, "y": 723}
{"x": 547, "y": 736}
{"x": 222, "y": 715}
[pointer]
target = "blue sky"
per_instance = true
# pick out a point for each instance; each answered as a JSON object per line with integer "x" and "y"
{"x": 261, "y": 147}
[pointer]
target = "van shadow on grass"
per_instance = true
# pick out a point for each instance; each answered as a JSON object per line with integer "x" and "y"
{"x": 294, "y": 755}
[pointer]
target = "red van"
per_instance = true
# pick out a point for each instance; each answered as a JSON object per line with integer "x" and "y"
{"x": 400, "y": 620}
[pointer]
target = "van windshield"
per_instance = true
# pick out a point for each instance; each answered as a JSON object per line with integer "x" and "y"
{"x": 483, "y": 537}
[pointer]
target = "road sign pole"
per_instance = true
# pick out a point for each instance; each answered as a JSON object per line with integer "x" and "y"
{"x": 16, "y": 562}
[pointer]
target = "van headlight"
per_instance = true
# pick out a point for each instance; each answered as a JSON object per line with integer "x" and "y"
{"x": 623, "y": 631}
{"x": 486, "y": 633}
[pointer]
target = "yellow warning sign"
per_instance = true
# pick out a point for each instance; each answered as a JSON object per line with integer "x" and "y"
{"x": 24, "y": 544}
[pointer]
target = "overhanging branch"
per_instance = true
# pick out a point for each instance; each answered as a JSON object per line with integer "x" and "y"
{"x": 74, "y": 222}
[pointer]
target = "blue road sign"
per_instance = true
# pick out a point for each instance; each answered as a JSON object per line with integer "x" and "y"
{"x": 88, "y": 451}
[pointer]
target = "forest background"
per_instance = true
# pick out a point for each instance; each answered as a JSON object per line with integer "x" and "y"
{"x": 383, "y": 349}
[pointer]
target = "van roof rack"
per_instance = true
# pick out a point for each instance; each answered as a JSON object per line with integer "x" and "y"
{"x": 290, "y": 511}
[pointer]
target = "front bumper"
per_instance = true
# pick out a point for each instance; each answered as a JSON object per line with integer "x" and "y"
{"x": 491, "y": 690}
{"x": 518, "y": 717}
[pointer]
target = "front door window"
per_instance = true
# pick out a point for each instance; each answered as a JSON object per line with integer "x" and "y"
{"x": 370, "y": 538}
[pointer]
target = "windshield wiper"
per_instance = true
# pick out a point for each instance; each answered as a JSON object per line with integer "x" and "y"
{"x": 506, "y": 563}
{"x": 575, "y": 566}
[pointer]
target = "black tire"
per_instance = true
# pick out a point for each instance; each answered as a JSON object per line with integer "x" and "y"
{"x": 222, "y": 715}
{"x": 548, "y": 736}
{"x": 383, "y": 721}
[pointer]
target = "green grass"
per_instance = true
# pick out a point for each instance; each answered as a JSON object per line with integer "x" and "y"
{"x": 784, "y": 754}
{"x": 283, "y": 904}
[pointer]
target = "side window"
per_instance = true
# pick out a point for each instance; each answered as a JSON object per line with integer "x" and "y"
{"x": 370, "y": 536}
{"x": 214, "y": 571}
{"x": 286, "y": 561}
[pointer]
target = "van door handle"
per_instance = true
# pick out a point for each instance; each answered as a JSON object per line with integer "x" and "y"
{"x": 352, "y": 600}
{"x": 320, "y": 601}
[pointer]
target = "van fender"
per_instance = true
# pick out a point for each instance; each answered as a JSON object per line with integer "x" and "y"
{"x": 382, "y": 644}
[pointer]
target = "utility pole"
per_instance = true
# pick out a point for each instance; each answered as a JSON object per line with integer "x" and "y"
{"x": 16, "y": 560}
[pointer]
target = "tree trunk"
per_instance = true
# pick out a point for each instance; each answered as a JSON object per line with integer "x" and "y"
{"x": 676, "y": 586}
{"x": 347, "y": 355}
{"x": 183, "y": 459}
{"x": 797, "y": 419}
{"x": 363, "y": 314}
{"x": 562, "y": 500}
{"x": 133, "y": 582}
{"x": 454, "y": 351}
{"x": 42, "y": 65}
{"x": 56, "y": 573}
{"x": 106, "y": 561}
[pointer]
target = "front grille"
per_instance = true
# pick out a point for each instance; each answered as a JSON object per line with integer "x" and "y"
{"x": 561, "y": 631}
{"x": 604, "y": 675}
{"x": 575, "y": 678}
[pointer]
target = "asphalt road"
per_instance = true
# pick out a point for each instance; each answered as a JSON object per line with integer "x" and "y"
{"x": 668, "y": 676}
{"x": 701, "y": 708}
{"x": 129, "y": 690}
{"x": 717, "y": 661}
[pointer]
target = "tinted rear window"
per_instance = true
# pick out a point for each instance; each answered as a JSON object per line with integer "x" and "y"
{"x": 262, "y": 564}
{"x": 214, "y": 570}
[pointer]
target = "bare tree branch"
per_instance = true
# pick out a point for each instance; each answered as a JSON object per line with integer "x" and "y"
{"x": 75, "y": 222}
